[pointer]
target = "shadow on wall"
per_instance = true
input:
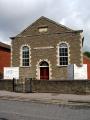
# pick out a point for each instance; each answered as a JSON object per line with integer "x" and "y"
{"x": 1, "y": 75}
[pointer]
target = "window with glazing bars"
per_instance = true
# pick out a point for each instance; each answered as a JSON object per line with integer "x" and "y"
{"x": 25, "y": 56}
{"x": 63, "y": 54}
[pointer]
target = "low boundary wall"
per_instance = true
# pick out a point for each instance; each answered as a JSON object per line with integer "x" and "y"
{"x": 6, "y": 85}
{"x": 62, "y": 86}
{"x": 48, "y": 86}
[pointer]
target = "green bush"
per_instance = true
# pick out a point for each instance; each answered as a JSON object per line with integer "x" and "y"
{"x": 87, "y": 53}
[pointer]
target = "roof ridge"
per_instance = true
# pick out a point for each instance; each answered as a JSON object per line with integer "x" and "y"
{"x": 4, "y": 45}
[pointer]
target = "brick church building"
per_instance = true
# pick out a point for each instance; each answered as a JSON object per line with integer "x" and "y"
{"x": 5, "y": 57}
{"x": 45, "y": 49}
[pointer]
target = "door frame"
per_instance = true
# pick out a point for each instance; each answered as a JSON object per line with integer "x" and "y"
{"x": 38, "y": 69}
{"x": 43, "y": 66}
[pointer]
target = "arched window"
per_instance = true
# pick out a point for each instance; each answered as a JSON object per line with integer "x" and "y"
{"x": 25, "y": 56}
{"x": 63, "y": 54}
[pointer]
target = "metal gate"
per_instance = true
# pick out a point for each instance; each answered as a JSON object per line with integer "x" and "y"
{"x": 22, "y": 85}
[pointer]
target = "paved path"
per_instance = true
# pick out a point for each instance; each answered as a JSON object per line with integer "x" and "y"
{"x": 45, "y": 97}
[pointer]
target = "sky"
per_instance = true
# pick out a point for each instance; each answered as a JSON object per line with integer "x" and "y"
{"x": 16, "y": 15}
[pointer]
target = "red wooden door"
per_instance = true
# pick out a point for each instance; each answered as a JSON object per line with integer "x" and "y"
{"x": 44, "y": 73}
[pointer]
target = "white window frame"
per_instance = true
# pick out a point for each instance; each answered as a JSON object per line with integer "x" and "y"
{"x": 21, "y": 56}
{"x": 58, "y": 57}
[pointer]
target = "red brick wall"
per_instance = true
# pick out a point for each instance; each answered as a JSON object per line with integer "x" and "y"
{"x": 4, "y": 58}
{"x": 87, "y": 61}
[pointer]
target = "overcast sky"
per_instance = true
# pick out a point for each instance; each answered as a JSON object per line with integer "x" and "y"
{"x": 16, "y": 15}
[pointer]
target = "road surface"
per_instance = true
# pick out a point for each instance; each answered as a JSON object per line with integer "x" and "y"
{"x": 16, "y": 110}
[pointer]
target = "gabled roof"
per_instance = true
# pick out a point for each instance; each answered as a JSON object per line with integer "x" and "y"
{"x": 59, "y": 25}
{"x": 3, "y": 45}
{"x": 42, "y": 17}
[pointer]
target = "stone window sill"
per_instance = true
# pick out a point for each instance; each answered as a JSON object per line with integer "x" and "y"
{"x": 25, "y": 66}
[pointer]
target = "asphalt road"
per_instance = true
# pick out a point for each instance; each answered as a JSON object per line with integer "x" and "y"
{"x": 15, "y": 110}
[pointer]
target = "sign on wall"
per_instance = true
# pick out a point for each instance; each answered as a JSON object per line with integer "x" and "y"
{"x": 80, "y": 72}
{"x": 11, "y": 72}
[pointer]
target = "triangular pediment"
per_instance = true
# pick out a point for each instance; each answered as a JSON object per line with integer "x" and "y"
{"x": 42, "y": 22}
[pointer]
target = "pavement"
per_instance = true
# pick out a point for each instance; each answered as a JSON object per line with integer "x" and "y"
{"x": 53, "y": 98}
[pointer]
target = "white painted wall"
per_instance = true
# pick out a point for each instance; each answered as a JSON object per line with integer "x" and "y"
{"x": 80, "y": 72}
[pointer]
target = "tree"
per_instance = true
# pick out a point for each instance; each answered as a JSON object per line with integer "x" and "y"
{"x": 87, "y": 53}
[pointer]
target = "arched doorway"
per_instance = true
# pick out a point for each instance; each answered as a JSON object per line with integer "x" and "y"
{"x": 44, "y": 70}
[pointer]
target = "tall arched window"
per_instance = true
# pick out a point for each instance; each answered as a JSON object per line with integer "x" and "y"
{"x": 63, "y": 54}
{"x": 25, "y": 56}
